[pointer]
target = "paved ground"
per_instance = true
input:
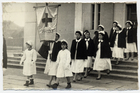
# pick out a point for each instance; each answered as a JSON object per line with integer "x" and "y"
{"x": 13, "y": 79}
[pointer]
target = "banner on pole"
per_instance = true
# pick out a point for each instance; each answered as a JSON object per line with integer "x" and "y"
{"x": 47, "y": 22}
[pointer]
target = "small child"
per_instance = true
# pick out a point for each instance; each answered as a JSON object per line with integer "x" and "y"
{"x": 130, "y": 42}
{"x": 63, "y": 61}
{"x": 103, "y": 55}
{"x": 118, "y": 44}
{"x": 29, "y": 58}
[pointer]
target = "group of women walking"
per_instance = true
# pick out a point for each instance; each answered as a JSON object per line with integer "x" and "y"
{"x": 79, "y": 60}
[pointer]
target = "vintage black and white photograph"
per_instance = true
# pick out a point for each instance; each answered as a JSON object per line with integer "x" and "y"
{"x": 70, "y": 46}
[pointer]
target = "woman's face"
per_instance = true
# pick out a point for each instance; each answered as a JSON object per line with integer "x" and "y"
{"x": 87, "y": 35}
{"x": 100, "y": 29}
{"x": 63, "y": 46}
{"x": 114, "y": 24}
{"x": 77, "y": 36}
{"x": 28, "y": 46}
{"x": 127, "y": 25}
{"x": 56, "y": 37}
{"x": 100, "y": 36}
{"x": 117, "y": 28}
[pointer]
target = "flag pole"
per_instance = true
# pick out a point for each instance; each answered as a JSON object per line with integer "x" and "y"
{"x": 50, "y": 42}
{"x": 46, "y": 5}
{"x": 57, "y": 16}
{"x": 36, "y": 28}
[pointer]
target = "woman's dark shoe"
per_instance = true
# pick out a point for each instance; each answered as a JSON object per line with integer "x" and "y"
{"x": 68, "y": 86}
{"x": 98, "y": 78}
{"x": 74, "y": 80}
{"x": 55, "y": 85}
{"x": 117, "y": 63}
{"x": 89, "y": 70}
{"x": 126, "y": 59}
{"x": 108, "y": 72}
{"x": 85, "y": 76}
{"x": 26, "y": 84}
{"x": 48, "y": 85}
{"x": 31, "y": 82}
{"x": 79, "y": 79}
{"x": 132, "y": 59}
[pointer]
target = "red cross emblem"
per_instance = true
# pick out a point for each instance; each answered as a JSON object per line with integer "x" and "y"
{"x": 46, "y": 19}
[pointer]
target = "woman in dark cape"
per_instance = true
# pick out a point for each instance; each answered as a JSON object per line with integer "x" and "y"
{"x": 102, "y": 55}
{"x": 90, "y": 52}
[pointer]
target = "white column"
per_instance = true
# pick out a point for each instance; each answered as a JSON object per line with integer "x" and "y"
{"x": 95, "y": 16}
{"x": 124, "y": 14}
{"x": 120, "y": 13}
{"x": 78, "y": 17}
{"x": 30, "y": 24}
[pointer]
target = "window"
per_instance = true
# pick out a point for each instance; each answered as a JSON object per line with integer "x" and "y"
{"x": 98, "y": 14}
{"x": 95, "y": 16}
{"x": 132, "y": 13}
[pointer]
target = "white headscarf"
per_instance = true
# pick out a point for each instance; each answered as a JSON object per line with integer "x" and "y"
{"x": 29, "y": 43}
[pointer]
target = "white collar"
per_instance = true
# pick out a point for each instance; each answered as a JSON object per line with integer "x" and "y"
{"x": 87, "y": 39}
{"x": 128, "y": 28}
{"x": 114, "y": 28}
{"x": 100, "y": 40}
{"x": 78, "y": 40}
{"x": 118, "y": 31}
{"x": 56, "y": 41}
{"x": 103, "y": 32}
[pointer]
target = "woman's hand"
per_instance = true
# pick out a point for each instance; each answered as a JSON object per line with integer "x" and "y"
{"x": 20, "y": 63}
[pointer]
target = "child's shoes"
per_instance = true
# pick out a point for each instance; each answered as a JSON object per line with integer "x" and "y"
{"x": 26, "y": 84}
{"x": 55, "y": 85}
{"x": 31, "y": 82}
{"x": 68, "y": 86}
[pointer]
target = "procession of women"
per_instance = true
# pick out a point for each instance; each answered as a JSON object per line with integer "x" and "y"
{"x": 86, "y": 53}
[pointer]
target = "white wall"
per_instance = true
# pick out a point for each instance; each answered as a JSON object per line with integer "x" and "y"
{"x": 120, "y": 13}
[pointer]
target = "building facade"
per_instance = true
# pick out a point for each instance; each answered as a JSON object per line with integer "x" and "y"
{"x": 80, "y": 16}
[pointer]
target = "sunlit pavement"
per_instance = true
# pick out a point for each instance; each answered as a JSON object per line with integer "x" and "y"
{"x": 13, "y": 79}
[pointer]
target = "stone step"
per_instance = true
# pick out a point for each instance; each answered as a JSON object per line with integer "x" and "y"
{"x": 116, "y": 76}
{"x": 38, "y": 63}
{"x": 14, "y": 51}
{"x": 128, "y": 62}
{"x": 39, "y": 60}
{"x": 19, "y": 58}
{"x": 126, "y": 72}
{"x": 21, "y": 54}
{"x": 112, "y": 75}
{"x": 117, "y": 71}
{"x": 123, "y": 62}
{"x": 13, "y": 65}
{"x": 125, "y": 67}
{"x": 14, "y": 47}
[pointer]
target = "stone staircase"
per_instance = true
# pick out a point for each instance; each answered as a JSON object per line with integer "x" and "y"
{"x": 126, "y": 70}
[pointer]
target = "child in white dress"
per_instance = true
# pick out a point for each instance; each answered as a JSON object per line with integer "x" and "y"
{"x": 29, "y": 58}
{"x": 103, "y": 55}
{"x": 63, "y": 61}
